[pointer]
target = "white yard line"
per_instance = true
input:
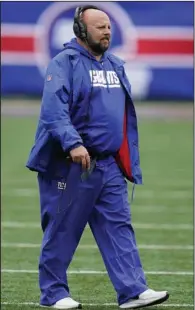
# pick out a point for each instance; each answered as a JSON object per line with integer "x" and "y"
{"x": 146, "y": 194}
{"x": 21, "y": 225}
{"x": 136, "y": 208}
{"x": 21, "y": 192}
{"x": 174, "y": 183}
{"x": 91, "y": 246}
{"x": 98, "y": 305}
{"x": 95, "y": 272}
{"x": 172, "y": 194}
{"x": 135, "y": 225}
{"x": 163, "y": 226}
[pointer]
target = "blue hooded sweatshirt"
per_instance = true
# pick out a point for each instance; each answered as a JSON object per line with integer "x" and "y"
{"x": 86, "y": 102}
{"x": 100, "y": 107}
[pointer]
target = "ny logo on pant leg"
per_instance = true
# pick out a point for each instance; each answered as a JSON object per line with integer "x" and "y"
{"x": 61, "y": 185}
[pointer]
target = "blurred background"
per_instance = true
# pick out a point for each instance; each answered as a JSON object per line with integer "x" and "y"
{"x": 156, "y": 40}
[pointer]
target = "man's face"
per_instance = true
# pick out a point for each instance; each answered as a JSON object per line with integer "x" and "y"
{"x": 98, "y": 31}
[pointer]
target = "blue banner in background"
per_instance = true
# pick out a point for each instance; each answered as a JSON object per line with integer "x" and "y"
{"x": 154, "y": 38}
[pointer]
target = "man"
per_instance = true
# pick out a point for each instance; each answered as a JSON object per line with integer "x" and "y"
{"x": 86, "y": 145}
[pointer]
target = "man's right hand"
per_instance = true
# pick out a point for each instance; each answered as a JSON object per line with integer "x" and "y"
{"x": 80, "y": 155}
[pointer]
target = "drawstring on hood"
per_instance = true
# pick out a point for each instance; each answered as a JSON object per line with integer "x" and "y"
{"x": 104, "y": 71}
{"x": 132, "y": 193}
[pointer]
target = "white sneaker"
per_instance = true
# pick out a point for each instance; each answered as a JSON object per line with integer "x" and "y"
{"x": 65, "y": 303}
{"x": 147, "y": 298}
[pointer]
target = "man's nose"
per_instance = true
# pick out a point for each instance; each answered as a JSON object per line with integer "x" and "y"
{"x": 107, "y": 31}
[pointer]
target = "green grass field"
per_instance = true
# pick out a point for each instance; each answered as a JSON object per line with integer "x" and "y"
{"x": 162, "y": 214}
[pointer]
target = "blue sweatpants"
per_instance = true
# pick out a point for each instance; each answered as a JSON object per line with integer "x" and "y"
{"x": 68, "y": 203}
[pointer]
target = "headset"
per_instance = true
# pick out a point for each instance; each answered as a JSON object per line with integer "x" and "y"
{"x": 79, "y": 28}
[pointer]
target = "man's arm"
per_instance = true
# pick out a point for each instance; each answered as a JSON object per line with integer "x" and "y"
{"x": 55, "y": 112}
{"x": 55, "y": 106}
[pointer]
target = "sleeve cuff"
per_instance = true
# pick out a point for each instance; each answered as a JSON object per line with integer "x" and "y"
{"x": 74, "y": 146}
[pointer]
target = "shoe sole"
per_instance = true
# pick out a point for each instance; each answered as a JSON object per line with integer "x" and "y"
{"x": 78, "y": 307}
{"x": 156, "y": 302}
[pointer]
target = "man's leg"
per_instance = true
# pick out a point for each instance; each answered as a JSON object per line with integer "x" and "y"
{"x": 65, "y": 208}
{"x": 110, "y": 223}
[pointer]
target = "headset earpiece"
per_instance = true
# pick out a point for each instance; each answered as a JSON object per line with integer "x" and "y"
{"x": 79, "y": 28}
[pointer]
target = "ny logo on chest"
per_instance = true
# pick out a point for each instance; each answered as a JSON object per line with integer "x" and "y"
{"x": 101, "y": 78}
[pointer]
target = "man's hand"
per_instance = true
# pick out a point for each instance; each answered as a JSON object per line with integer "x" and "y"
{"x": 80, "y": 155}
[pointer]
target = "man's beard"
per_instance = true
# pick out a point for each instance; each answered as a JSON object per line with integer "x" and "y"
{"x": 97, "y": 47}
